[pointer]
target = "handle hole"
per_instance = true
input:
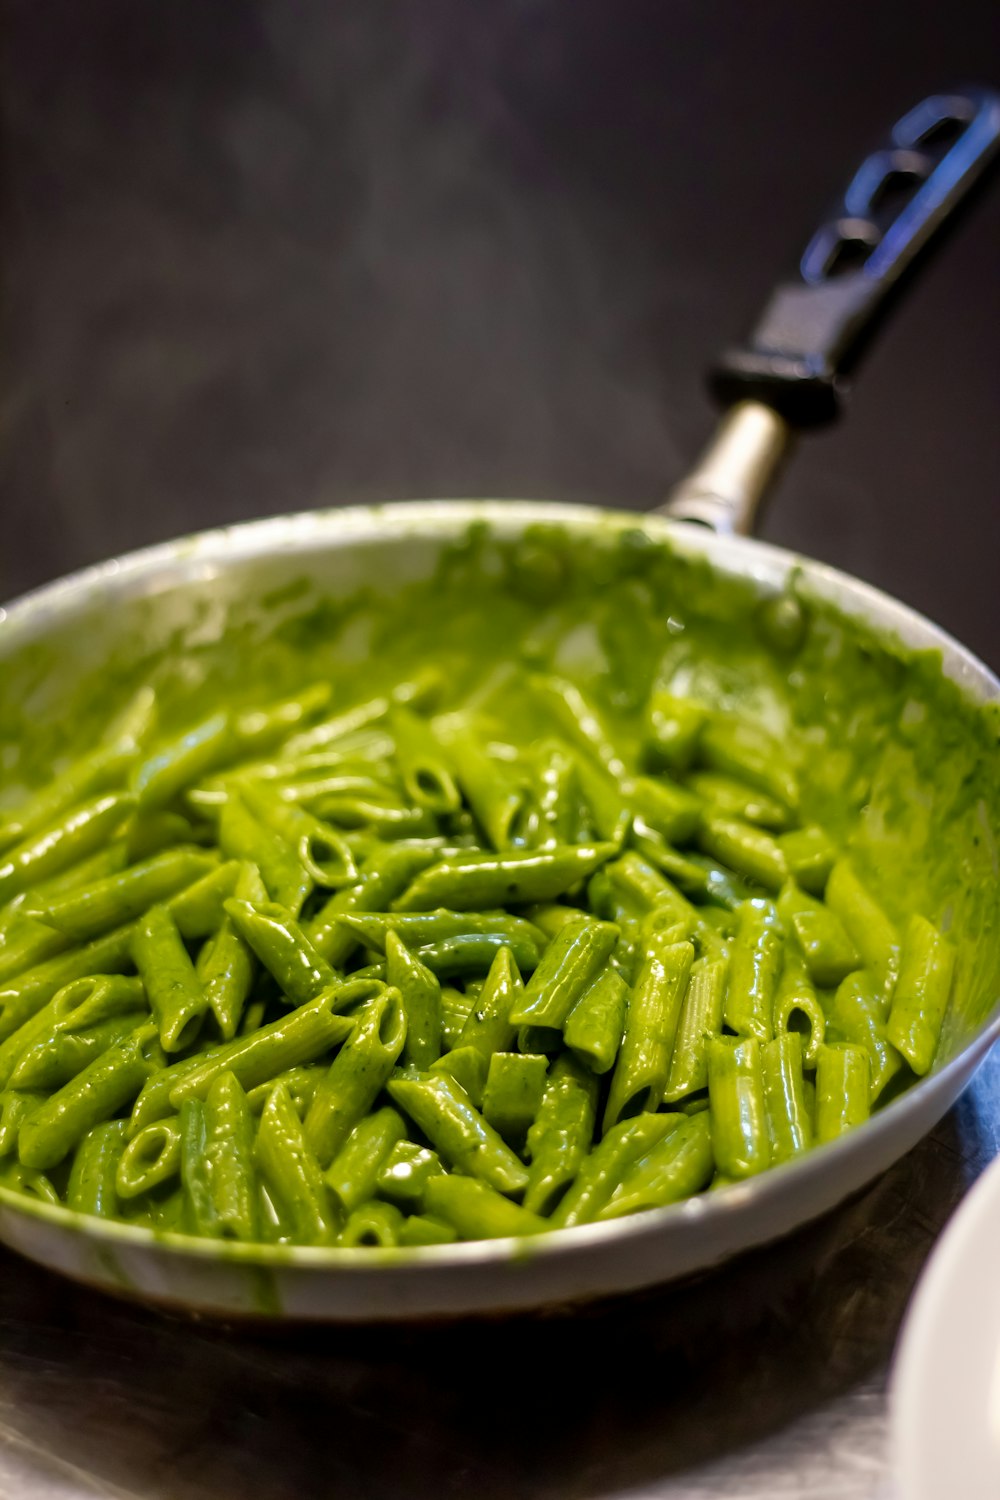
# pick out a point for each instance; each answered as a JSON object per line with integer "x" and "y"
{"x": 943, "y": 133}
{"x": 839, "y": 249}
{"x": 846, "y": 256}
{"x": 894, "y": 192}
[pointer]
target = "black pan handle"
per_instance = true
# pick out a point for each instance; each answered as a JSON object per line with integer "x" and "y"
{"x": 815, "y": 326}
{"x": 791, "y": 373}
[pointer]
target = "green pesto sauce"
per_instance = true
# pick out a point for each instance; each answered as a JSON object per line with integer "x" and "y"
{"x": 893, "y": 760}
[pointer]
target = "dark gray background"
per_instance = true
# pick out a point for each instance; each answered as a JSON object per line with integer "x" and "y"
{"x": 269, "y": 254}
{"x": 265, "y": 255}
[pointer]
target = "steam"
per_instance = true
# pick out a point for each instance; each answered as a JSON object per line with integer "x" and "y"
{"x": 319, "y": 256}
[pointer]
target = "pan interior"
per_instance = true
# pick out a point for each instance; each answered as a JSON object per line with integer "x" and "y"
{"x": 894, "y": 757}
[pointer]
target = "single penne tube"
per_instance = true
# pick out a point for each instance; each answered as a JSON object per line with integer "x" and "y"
{"x": 604, "y": 1168}
{"x": 854, "y": 1013}
{"x": 755, "y": 963}
{"x": 29, "y": 944}
{"x": 923, "y": 989}
{"x": 184, "y": 761}
{"x": 244, "y": 837}
{"x": 669, "y": 810}
{"x": 561, "y": 1134}
{"x": 594, "y": 1028}
{"x": 797, "y": 1008}
{"x": 15, "y": 1107}
{"x": 256, "y": 729}
{"x": 218, "y": 1172}
{"x": 423, "y": 764}
{"x": 57, "y": 1057}
{"x": 25, "y": 996}
{"x": 421, "y": 995}
{"x": 198, "y": 908}
{"x": 655, "y": 899}
{"x": 477, "y": 1211}
{"x": 494, "y": 789}
{"x": 418, "y": 693}
{"x": 356, "y": 1076}
{"x": 417, "y": 929}
{"x": 320, "y": 848}
{"x": 151, "y": 833}
{"x": 292, "y": 1174}
{"x": 302, "y": 1036}
{"x": 111, "y": 1081}
{"x": 867, "y": 925}
{"x": 512, "y": 1097}
{"x": 729, "y": 798}
{"x": 28, "y": 1181}
{"x": 693, "y": 874}
{"x": 488, "y": 1025}
{"x": 382, "y": 878}
{"x": 301, "y": 1083}
{"x": 843, "y": 1090}
{"x": 443, "y": 1111}
{"x": 579, "y": 720}
{"x": 470, "y": 954}
{"x": 309, "y": 792}
{"x": 557, "y": 795}
{"x": 50, "y": 850}
{"x": 109, "y": 860}
{"x": 748, "y": 850}
{"x": 353, "y": 1174}
{"x": 810, "y": 855}
{"x": 605, "y": 799}
{"x": 99, "y": 770}
{"x": 468, "y": 1067}
{"x": 826, "y": 949}
{"x": 91, "y": 1188}
{"x": 740, "y": 1138}
{"x": 549, "y": 916}
{"x": 174, "y": 992}
{"x": 467, "y": 881}
{"x": 456, "y": 1007}
{"x": 150, "y": 1158}
{"x": 788, "y": 1115}
{"x": 281, "y": 945}
{"x": 676, "y": 1167}
{"x": 385, "y": 817}
{"x": 571, "y": 961}
{"x": 641, "y": 1072}
{"x": 637, "y": 886}
{"x": 76, "y": 1006}
{"x": 85, "y": 913}
{"x": 700, "y": 1018}
{"x": 225, "y": 965}
{"x": 737, "y": 747}
{"x": 375, "y": 1224}
{"x": 672, "y": 728}
{"x": 406, "y": 1171}
{"x": 424, "y": 1229}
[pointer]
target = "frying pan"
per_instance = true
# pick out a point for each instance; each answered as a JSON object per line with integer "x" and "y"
{"x": 184, "y": 599}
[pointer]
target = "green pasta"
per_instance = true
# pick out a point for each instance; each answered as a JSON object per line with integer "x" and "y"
{"x": 923, "y": 989}
{"x": 562, "y": 1131}
{"x": 740, "y": 1136}
{"x": 676, "y": 1167}
{"x": 356, "y": 1075}
{"x": 173, "y": 989}
{"x": 640, "y": 1078}
{"x": 482, "y": 956}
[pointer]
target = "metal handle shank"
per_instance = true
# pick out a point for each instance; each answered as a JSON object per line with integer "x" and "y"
{"x": 791, "y": 372}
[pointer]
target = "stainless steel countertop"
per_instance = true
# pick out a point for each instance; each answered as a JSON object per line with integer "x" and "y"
{"x": 764, "y": 1379}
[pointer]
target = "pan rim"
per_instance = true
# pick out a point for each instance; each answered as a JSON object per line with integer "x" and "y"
{"x": 203, "y": 555}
